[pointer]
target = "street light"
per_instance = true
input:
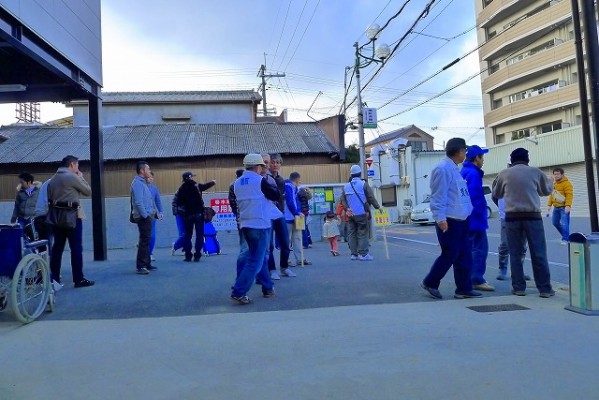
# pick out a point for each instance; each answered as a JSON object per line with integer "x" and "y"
{"x": 378, "y": 56}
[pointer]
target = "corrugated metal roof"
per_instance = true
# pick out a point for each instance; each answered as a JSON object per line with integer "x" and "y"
{"x": 51, "y": 144}
{"x": 227, "y": 96}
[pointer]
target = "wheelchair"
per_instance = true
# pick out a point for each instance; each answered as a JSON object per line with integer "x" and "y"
{"x": 25, "y": 282}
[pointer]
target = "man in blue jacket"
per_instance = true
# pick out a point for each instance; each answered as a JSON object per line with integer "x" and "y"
{"x": 473, "y": 174}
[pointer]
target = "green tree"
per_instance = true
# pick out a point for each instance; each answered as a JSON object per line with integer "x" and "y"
{"x": 352, "y": 154}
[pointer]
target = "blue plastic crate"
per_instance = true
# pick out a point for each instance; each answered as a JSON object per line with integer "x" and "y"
{"x": 11, "y": 241}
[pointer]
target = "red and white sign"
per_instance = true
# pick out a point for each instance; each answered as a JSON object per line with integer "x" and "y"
{"x": 224, "y": 219}
{"x": 369, "y": 162}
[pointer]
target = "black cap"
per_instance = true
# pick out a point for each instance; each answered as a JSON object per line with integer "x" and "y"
{"x": 187, "y": 175}
{"x": 455, "y": 144}
{"x": 520, "y": 154}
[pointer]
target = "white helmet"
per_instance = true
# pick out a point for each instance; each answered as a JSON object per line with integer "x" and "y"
{"x": 355, "y": 169}
{"x": 252, "y": 159}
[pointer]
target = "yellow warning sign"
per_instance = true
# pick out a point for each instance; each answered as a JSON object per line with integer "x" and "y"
{"x": 381, "y": 217}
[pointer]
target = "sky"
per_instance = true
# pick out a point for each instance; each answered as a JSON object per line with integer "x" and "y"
{"x": 152, "y": 45}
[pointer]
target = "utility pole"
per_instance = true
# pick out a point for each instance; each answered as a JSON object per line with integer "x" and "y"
{"x": 262, "y": 74}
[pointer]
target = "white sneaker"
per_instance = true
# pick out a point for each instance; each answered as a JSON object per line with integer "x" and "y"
{"x": 56, "y": 286}
{"x": 353, "y": 257}
{"x": 173, "y": 249}
{"x": 564, "y": 242}
{"x": 288, "y": 273}
{"x": 367, "y": 257}
{"x": 152, "y": 258}
{"x": 274, "y": 275}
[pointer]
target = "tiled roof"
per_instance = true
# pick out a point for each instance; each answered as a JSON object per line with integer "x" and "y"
{"x": 51, "y": 144}
{"x": 227, "y": 96}
{"x": 396, "y": 134}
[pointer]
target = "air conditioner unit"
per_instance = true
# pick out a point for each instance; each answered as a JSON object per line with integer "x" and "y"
{"x": 561, "y": 83}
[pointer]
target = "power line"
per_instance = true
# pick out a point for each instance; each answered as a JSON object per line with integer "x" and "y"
{"x": 282, "y": 30}
{"x": 302, "y": 37}
{"x": 293, "y": 34}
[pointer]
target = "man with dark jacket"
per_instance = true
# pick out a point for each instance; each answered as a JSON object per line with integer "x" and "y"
{"x": 473, "y": 174}
{"x": 279, "y": 226}
{"x": 64, "y": 190}
{"x": 189, "y": 199}
{"x": 522, "y": 186}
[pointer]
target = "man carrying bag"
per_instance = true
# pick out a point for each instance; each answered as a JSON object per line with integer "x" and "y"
{"x": 65, "y": 218}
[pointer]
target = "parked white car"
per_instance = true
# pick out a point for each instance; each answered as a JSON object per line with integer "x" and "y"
{"x": 421, "y": 214}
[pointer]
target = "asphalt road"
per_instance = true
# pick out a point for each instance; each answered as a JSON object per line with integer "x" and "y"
{"x": 179, "y": 288}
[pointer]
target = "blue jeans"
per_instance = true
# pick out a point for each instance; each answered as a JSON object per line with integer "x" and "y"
{"x": 480, "y": 250}
{"x": 504, "y": 252}
{"x": 244, "y": 251}
{"x": 181, "y": 230}
{"x": 153, "y": 237}
{"x": 454, "y": 251}
{"x": 518, "y": 233}
{"x": 256, "y": 262}
{"x": 561, "y": 221}
{"x": 279, "y": 231}
{"x": 74, "y": 237}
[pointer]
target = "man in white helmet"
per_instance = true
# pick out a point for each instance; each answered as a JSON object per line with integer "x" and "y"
{"x": 256, "y": 209}
{"x": 356, "y": 198}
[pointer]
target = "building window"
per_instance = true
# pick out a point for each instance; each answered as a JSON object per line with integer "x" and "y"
{"x": 486, "y": 3}
{"x": 520, "y": 134}
{"x": 417, "y": 146}
{"x": 388, "y": 196}
{"x": 553, "y": 126}
{"x": 497, "y": 103}
{"x": 548, "y": 87}
{"x": 500, "y": 138}
{"x": 491, "y": 34}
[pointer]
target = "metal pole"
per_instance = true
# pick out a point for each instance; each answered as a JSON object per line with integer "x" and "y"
{"x": 360, "y": 116}
{"x": 96, "y": 157}
{"x": 584, "y": 106}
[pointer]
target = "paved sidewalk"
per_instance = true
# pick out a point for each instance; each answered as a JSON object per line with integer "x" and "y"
{"x": 399, "y": 346}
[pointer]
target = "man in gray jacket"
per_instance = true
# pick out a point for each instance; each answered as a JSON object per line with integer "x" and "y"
{"x": 521, "y": 186}
{"x": 64, "y": 191}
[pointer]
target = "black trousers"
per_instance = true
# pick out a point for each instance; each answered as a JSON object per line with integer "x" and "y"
{"x": 144, "y": 225}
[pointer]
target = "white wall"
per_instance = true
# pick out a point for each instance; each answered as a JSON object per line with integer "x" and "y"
{"x": 70, "y": 26}
{"x": 151, "y": 114}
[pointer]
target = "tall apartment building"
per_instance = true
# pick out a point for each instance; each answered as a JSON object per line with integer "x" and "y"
{"x": 528, "y": 59}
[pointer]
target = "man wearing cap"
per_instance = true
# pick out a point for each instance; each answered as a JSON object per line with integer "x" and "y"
{"x": 522, "y": 186}
{"x": 473, "y": 174}
{"x": 451, "y": 207}
{"x": 356, "y": 198}
{"x": 255, "y": 197}
{"x": 191, "y": 205}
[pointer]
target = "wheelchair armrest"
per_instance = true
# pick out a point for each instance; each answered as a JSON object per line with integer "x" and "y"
{"x": 37, "y": 243}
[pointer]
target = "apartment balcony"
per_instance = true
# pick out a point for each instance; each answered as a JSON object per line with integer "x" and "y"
{"x": 526, "y": 31}
{"x": 499, "y": 10}
{"x": 535, "y": 105}
{"x": 530, "y": 67}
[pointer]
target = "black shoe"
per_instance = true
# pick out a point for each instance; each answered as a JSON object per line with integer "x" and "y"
{"x": 187, "y": 259}
{"x": 519, "y": 292}
{"x": 84, "y": 283}
{"x": 467, "y": 295}
{"x": 142, "y": 271}
{"x": 268, "y": 293}
{"x": 547, "y": 295}
{"x": 241, "y": 299}
{"x": 197, "y": 256}
{"x": 151, "y": 268}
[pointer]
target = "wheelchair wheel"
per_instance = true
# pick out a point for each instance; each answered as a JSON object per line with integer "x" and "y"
{"x": 30, "y": 288}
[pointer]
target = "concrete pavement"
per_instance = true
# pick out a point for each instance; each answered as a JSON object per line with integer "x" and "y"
{"x": 363, "y": 341}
